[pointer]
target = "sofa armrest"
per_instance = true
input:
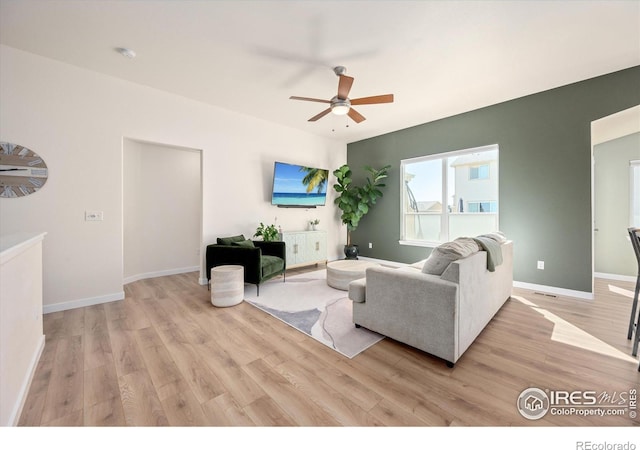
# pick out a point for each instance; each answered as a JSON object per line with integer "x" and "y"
{"x": 248, "y": 257}
{"x": 272, "y": 248}
{"x": 412, "y": 307}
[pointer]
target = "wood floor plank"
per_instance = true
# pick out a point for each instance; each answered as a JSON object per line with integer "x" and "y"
{"x": 223, "y": 411}
{"x": 202, "y": 381}
{"x": 162, "y": 369}
{"x": 184, "y": 410}
{"x": 237, "y": 383}
{"x": 100, "y": 385}
{"x": 64, "y": 394}
{"x": 97, "y": 350}
{"x": 288, "y": 397}
{"x": 338, "y": 406}
{"x": 140, "y": 402}
{"x": 108, "y": 413}
{"x": 264, "y": 412}
{"x": 165, "y": 356}
{"x": 126, "y": 354}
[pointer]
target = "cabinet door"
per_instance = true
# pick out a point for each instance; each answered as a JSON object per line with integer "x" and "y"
{"x": 295, "y": 247}
{"x": 316, "y": 246}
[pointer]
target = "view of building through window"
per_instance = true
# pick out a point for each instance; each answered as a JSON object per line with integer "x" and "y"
{"x": 449, "y": 195}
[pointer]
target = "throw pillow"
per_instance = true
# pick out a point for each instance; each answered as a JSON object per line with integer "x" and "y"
{"x": 446, "y": 253}
{"x": 230, "y": 240}
{"x": 246, "y": 243}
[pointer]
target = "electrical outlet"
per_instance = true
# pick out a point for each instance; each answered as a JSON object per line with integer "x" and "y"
{"x": 370, "y": 244}
{"x": 540, "y": 265}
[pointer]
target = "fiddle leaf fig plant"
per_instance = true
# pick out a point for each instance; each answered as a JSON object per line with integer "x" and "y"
{"x": 355, "y": 201}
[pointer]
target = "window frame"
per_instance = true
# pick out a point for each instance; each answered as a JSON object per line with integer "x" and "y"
{"x": 444, "y": 220}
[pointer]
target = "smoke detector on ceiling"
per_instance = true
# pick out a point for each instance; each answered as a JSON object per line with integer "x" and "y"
{"x": 126, "y": 52}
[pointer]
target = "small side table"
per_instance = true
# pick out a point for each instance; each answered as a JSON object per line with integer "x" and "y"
{"x": 227, "y": 285}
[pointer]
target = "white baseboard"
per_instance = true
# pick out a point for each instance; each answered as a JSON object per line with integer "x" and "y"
{"x": 26, "y": 385}
{"x": 613, "y": 276}
{"x": 554, "y": 290}
{"x": 160, "y": 273}
{"x": 63, "y": 306}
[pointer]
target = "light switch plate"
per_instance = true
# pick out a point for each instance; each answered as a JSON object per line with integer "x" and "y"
{"x": 93, "y": 216}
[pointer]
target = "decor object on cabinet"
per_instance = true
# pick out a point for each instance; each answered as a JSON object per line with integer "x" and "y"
{"x": 355, "y": 201}
{"x": 313, "y": 224}
{"x": 22, "y": 171}
{"x": 267, "y": 232}
{"x": 262, "y": 260}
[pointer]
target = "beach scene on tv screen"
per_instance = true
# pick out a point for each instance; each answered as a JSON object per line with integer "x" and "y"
{"x": 298, "y": 185}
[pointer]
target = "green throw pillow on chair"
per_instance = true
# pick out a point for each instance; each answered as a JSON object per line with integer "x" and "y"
{"x": 246, "y": 243}
{"x": 231, "y": 240}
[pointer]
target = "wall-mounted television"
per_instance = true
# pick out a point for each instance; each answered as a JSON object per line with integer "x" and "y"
{"x": 296, "y": 186}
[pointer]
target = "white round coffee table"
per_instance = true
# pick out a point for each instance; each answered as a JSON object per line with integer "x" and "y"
{"x": 227, "y": 285}
{"x": 341, "y": 273}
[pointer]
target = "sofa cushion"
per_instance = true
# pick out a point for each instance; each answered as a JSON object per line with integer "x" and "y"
{"x": 231, "y": 239}
{"x": 271, "y": 264}
{"x": 246, "y": 243}
{"x": 446, "y": 253}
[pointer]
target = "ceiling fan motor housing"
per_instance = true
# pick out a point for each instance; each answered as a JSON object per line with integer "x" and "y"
{"x": 340, "y": 106}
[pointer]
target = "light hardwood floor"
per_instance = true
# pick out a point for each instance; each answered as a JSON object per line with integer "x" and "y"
{"x": 166, "y": 356}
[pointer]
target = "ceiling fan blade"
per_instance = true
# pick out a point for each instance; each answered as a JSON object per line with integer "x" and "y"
{"x": 355, "y": 115}
{"x": 319, "y": 116}
{"x": 344, "y": 86}
{"x": 387, "y": 98}
{"x": 309, "y": 99}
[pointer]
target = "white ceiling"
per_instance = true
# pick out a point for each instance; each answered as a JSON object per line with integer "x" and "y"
{"x": 438, "y": 58}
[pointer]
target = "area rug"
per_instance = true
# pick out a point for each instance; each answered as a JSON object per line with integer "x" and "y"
{"x": 306, "y": 303}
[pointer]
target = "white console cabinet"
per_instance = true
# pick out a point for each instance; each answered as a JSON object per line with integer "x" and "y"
{"x": 305, "y": 247}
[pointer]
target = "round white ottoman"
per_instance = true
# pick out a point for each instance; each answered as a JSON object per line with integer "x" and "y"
{"x": 341, "y": 273}
{"x": 227, "y": 285}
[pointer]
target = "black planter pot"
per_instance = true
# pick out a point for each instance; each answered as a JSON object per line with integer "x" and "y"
{"x": 351, "y": 252}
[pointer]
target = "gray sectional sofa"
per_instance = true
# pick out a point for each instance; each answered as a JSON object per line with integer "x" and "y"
{"x": 439, "y": 314}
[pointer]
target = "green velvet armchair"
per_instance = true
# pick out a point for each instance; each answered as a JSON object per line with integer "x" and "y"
{"x": 261, "y": 260}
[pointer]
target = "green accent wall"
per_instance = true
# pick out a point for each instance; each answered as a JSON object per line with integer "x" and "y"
{"x": 545, "y": 175}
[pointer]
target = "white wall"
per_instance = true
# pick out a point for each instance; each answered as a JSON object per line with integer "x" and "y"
{"x": 162, "y": 210}
{"x": 77, "y": 119}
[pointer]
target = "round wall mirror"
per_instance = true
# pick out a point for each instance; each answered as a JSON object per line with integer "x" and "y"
{"x": 22, "y": 171}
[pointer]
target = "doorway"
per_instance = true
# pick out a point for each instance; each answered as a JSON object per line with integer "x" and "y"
{"x": 162, "y": 210}
{"x": 615, "y": 145}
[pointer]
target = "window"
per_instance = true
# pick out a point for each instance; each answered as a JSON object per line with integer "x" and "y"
{"x": 449, "y": 195}
{"x": 479, "y": 173}
{"x": 634, "y": 213}
{"x": 481, "y": 207}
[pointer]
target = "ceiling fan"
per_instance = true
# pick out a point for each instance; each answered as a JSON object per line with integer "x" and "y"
{"x": 341, "y": 104}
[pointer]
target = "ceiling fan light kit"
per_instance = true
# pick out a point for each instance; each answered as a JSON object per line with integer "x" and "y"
{"x": 340, "y": 105}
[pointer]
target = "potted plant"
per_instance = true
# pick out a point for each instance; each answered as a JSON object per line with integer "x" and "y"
{"x": 313, "y": 224}
{"x": 355, "y": 201}
{"x": 268, "y": 232}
